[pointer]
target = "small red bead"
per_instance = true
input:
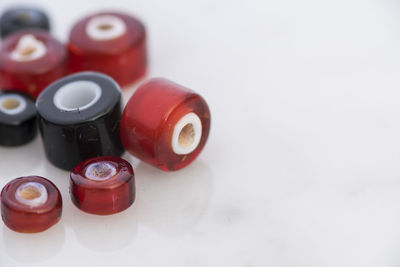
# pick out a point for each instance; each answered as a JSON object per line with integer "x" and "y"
{"x": 30, "y": 60}
{"x": 112, "y": 43}
{"x": 103, "y": 185}
{"x": 30, "y": 204}
{"x": 165, "y": 124}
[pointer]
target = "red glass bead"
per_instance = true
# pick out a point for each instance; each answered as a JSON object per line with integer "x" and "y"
{"x": 30, "y": 60}
{"x": 103, "y": 185}
{"x": 112, "y": 43}
{"x": 30, "y": 204}
{"x": 165, "y": 124}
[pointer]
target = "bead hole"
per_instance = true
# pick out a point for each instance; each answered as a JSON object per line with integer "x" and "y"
{"x": 77, "y": 98}
{"x": 186, "y": 136}
{"x": 26, "y": 51}
{"x": 28, "y": 48}
{"x": 10, "y": 103}
{"x": 100, "y": 170}
{"x": 105, "y": 27}
{"x": 77, "y": 95}
{"x": 29, "y": 193}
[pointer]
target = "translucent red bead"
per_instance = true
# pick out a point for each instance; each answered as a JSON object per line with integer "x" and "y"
{"x": 30, "y": 204}
{"x": 103, "y": 185}
{"x": 30, "y": 60}
{"x": 111, "y": 43}
{"x": 165, "y": 124}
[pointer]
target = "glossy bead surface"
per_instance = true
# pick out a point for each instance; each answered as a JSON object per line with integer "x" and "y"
{"x": 79, "y": 117}
{"x": 17, "y": 118}
{"x": 22, "y": 18}
{"x": 31, "y": 60}
{"x": 103, "y": 185}
{"x": 165, "y": 124}
{"x": 111, "y": 43}
{"x": 30, "y": 204}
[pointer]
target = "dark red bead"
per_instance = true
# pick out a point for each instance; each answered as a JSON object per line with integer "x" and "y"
{"x": 30, "y": 60}
{"x": 111, "y": 43}
{"x": 165, "y": 124}
{"x": 30, "y": 204}
{"x": 103, "y": 185}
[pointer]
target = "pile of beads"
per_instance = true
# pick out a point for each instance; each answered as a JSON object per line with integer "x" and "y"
{"x": 72, "y": 93}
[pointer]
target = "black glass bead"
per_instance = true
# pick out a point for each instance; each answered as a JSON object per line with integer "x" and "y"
{"x": 79, "y": 118}
{"x": 17, "y": 118}
{"x": 20, "y": 18}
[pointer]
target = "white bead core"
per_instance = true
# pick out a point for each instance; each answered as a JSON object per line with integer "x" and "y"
{"x": 187, "y": 134}
{"x": 31, "y": 194}
{"x": 100, "y": 171}
{"x": 105, "y": 27}
{"x": 28, "y": 49}
{"x": 12, "y": 104}
{"x": 77, "y": 95}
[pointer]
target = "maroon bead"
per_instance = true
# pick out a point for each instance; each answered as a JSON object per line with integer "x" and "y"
{"x": 165, "y": 124}
{"x": 111, "y": 43}
{"x": 30, "y": 204}
{"x": 103, "y": 185}
{"x": 30, "y": 60}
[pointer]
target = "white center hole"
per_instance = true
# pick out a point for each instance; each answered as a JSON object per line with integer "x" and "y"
{"x": 28, "y": 48}
{"x": 12, "y": 104}
{"x": 77, "y": 95}
{"x": 100, "y": 171}
{"x": 26, "y": 51}
{"x": 31, "y": 194}
{"x": 105, "y": 27}
{"x": 187, "y": 134}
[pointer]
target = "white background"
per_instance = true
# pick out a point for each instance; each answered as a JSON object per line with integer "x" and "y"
{"x": 302, "y": 165}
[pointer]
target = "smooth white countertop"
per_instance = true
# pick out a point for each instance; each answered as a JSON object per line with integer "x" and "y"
{"x": 302, "y": 165}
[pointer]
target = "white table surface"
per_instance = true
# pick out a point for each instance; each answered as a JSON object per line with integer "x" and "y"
{"x": 302, "y": 164}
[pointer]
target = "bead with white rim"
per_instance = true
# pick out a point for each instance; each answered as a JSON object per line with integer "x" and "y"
{"x": 165, "y": 124}
{"x": 102, "y": 185}
{"x": 17, "y": 118}
{"x": 187, "y": 134}
{"x": 12, "y": 104}
{"x": 77, "y": 95}
{"x": 30, "y": 204}
{"x": 79, "y": 118}
{"x": 109, "y": 42}
{"x": 100, "y": 171}
{"x": 105, "y": 27}
{"x": 28, "y": 48}
{"x": 30, "y": 60}
{"x": 32, "y": 194}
